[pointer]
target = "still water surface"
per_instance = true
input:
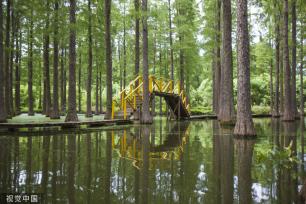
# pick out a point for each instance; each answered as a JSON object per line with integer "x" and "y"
{"x": 167, "y": 162}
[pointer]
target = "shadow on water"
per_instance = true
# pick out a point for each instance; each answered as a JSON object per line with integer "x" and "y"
{"x": 167, "y": 162}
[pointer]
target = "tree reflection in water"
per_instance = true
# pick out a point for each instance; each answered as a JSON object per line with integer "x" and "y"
{"x": 167, "y": 162}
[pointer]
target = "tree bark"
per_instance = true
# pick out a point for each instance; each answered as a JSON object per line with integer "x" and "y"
{"x": 281, "y": 75}
{"x": 217, "y": 61}
{"x": 302, "y": 73}
{"x": 62, "y": 83}
{"x": 55, "y": 111}
{"x": 288, "y": 111}
{"x": 244, "y": 125}
{"x": 80, "y": 83}
{"x": 146, "y": 117}
{"x": 124, "y": 48}
{"x": 7, "y": 58}
{"x": 17, "y": 69}
{"x": 226, "y": 107}
{"x": 137, "y": 48}
{"x": 293, "y": 78}
{"x": 89, "y": 74}
{"x": 277, "y": 50}
{"x": 72, "y": 114}
{"x": 101, "y": 92}
{"x": 109, "y": 74}
{"x": 171, "y": 42}
{"x": 30, "y": 67}
{"x": 12, "y": 50}
{"x": 3, "y": 113}
{"x": 47, "y": 93}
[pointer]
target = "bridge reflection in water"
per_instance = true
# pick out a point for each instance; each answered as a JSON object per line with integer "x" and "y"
{"x": 167, "y": 162}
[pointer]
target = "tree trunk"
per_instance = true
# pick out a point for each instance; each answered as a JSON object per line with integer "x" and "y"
{"x": 137, "y": 49}
{"x": 301, "y": 73}
{"x": 288, "y": 113}
{"x": 72, "y": 114}
{"x": 271, "y": 86}
{"x": 2, "y": 100}
{"x": 80, "y": 84}
{"x": 293, "y": 79}
{"x": 13, "y": 37}
{"x": 89, "y": 74}
{"x": 226, "y": 107}
{"x": 55, "y": 112}
{"x": 281, "y": 75}
{"x": 101, "y": 92}
{"x": 124, "y": 48}
{"x": 30, "y": 68}
{"x": 7, "y": 58}
{"x": 47, "y": 93}
{"x": 217, "y": 62}
{"x": 62, "y": 83}
{"x": 244, "y": 125}
{"x": 171, "y": 41}
{"x": 109, "y": 74}
{"x": 146, "y": 117}
{"x": 17, "y": 70}
{"x": 97, "y": 93}
{"x": 276, "y": 96}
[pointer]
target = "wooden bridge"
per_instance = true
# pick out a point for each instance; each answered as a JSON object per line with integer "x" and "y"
{"x": 130, "y": 99}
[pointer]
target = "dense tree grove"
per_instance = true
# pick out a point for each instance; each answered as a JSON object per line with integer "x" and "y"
{"x": 233, "y": 58}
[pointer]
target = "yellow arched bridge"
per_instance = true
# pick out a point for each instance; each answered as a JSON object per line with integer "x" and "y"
{"x": 130, "y": 99}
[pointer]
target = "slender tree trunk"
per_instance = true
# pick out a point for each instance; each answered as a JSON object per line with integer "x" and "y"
{"x": 288, "y": 113}
{"x": 12, "y": 50}
{"x": 97, "y": 92}
{"x": 171, "y": 41}
{"x": 89, "y": 74}
{"x": 62, "y": 82}
{"x": 124, "y": 48}
{"x": 3, "y": 113}
{"x": 301, "y": 72}
{"x": 137, "y": 48}
{"x": 277, "y": 50}
{"x": 244, "y": 125}
{"x": 281, "y": 74}
{"x": 80, "y": 84}
{"x": 47, "y": 91}
{"x": 101, "y": 92}
{"x": 7, "y": 58}
{"x": 293, "y": 78}
{"x": 146, "y": 115}
{"x": 226, "y": 107}
{"x": 55, "y": 111}
{"x": 30, "y": 68}
{"x": 271, "y": 87}
{"x": 217, "y": 61}
{"x": 72, "y": 114}
{"x": 109, "y": 74}
{"x": 17, "y": 69}
{"x": 120, "y": 67}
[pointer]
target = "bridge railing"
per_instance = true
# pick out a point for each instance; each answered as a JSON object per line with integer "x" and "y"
{"x": 134, "y": 92}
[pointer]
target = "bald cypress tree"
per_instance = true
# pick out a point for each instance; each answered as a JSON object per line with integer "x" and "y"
{"x": 55, "y": 107}
{"x": 109, "y": 72}
{"x": 288, "y": 113}
{"x": 226, "y": 113}
{"x": 2, "y": 102}
{"x": 72, "y": 114}
{"x": 146, "y": 115}
{"x": 89, "y": 70}
{"x": 244, "y": 125}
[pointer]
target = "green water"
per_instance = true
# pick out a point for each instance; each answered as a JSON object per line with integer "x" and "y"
{"x": 167, "y": 162}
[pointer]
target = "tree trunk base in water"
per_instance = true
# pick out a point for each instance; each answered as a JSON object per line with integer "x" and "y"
{"x": 244, "y": 128}
{"x": 71, "y": 117}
